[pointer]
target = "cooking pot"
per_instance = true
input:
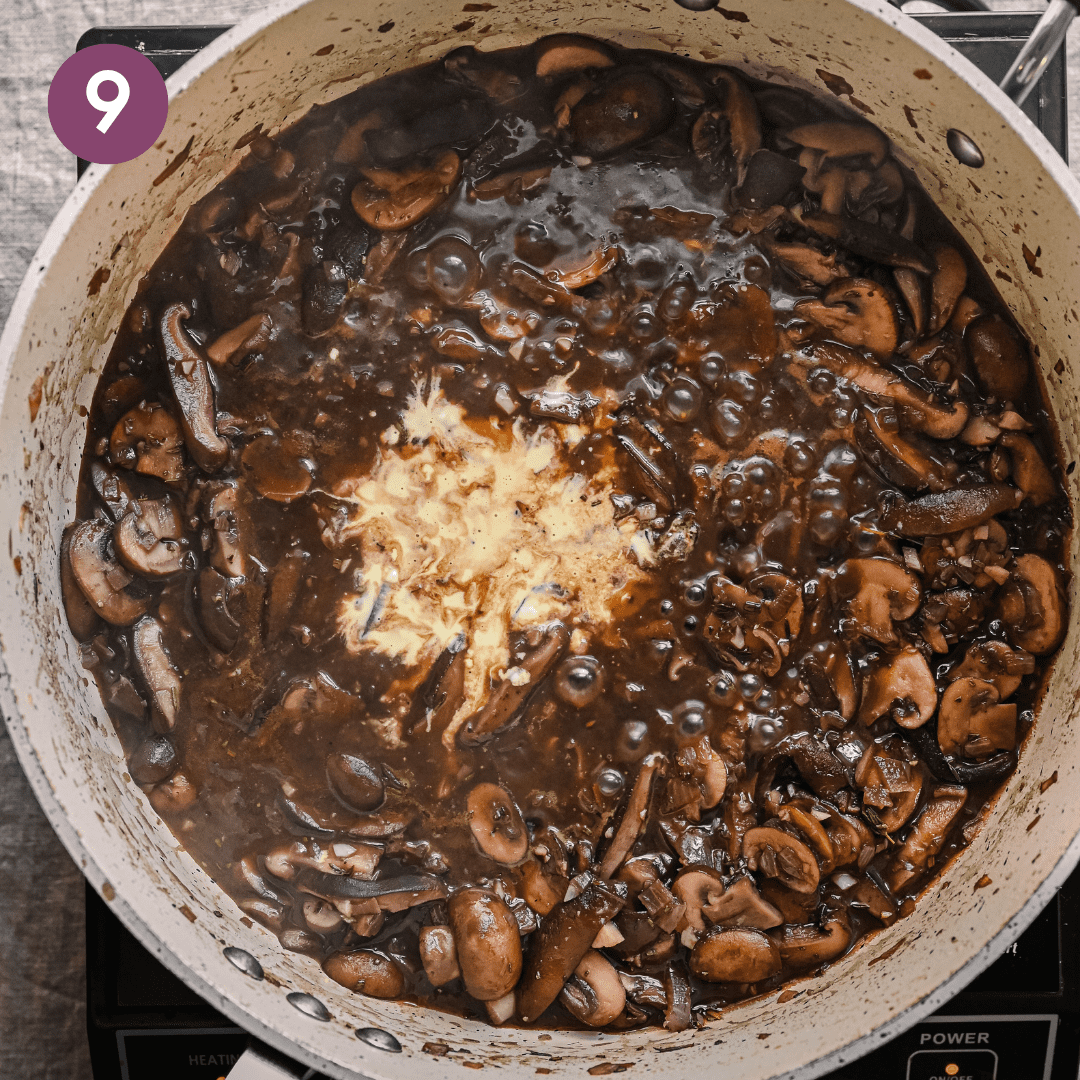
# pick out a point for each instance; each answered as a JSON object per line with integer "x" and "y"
{"x": 1019, "y": 211}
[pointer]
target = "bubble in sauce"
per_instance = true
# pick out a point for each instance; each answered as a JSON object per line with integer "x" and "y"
{"x": 579, "y": 680}
{"x": 682, "y": 399}
{"x": 722, "y": 689}
{"x": 610, "y": 781}
{"x": 690, "y": 717}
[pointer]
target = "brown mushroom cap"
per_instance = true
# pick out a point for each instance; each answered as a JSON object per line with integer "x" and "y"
{"x": 993, "y": 661}
{"x": 782, "y": 855}
{"x": 561, "y": 54}
{"x": 903, "y": 684}
{"x": 742, "y": 905}
{"x": 999, "y": 355}
{"x": 626, "y": 109}
{"x": 366, "y": 972}
{"x": 1029, "y": 470}
{"x": 858, "y": 312}
{"x": 945, "y": 512}
{"x": 946, "y": 286}
{"x": 1033, "y": 606}
{"x": 148, "y": 439}
{"x": 102, "y": 579}
{"x": 149, "y": 539}
{"x": 879, "y": 591}
{"x": 487, "y": 941}
{"x": 496, "y": 824}
{"x": 595, "y": 995}
{"x": 972, "y": 722}
{"x": 843, "y": 140}
{"x": 803, "y": 946}
{"x": 438, "y": 954}
{"x": 276, "y": 466}
{"x": 392, "y": 200}
{"x": 735, "y": 954}
{"x": 81, "y": 615}
{"x": 355, "y": 782}
{"x": 161, "y": 678}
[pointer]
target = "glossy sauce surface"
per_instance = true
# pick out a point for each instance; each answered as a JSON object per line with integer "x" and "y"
{"x": 609, "y": 501}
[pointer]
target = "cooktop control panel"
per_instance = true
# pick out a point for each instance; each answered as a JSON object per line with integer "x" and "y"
{"x": 1020, "y": 1020}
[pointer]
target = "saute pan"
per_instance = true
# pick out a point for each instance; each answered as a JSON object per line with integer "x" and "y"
{"x": 995, "y": 177}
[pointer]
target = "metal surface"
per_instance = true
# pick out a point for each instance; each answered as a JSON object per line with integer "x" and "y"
{"x": 1045, "y": 41}
{"x": 1023, "y": 218}
{"x": 259, "y": 1062}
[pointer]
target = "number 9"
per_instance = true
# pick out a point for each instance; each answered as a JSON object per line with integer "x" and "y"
{"x": 110, "y": 109}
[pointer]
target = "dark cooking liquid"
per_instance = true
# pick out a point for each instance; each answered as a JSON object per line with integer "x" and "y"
{"x": 607, "y": 283}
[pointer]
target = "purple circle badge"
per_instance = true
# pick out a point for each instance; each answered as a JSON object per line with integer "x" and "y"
{"x": 108, "y": 103}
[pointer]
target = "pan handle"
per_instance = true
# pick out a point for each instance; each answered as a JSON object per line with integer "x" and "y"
{"x": 1038, "y": 50}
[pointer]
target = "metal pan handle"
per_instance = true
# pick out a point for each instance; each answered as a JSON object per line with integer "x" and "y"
{"x": 1045, "y": 40}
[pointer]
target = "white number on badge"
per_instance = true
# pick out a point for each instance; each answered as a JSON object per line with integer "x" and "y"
{"x": 111, "y": 109}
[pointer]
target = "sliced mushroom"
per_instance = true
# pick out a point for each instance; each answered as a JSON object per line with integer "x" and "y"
{"x": 148, "y": 439}
{"x": 149, "y": 539}
{"x": 850, "y": 142}
{"x": 438, "y": 954}
{"x": 803, "y": 946}
{"x": 972, "y": 722}
{"x": 805, "y": 262}
{"x": 742, "y": 905}
{"x": 678, "y": 1000}
{"x": 782, "y": 855}
{"x": 922, "y": 412}
{"x": 250, "y": 336}
{"x": 944, "y": 512}
{"x": 543, "y": 648}
{"x": 319, "y": 916}
{"x": 735, "y": 955}
{"x": 697, "y": 887}
{"x": 993, "y": 661}
{"x": 911, "y": 467}
{"x": 391, "y": 893}
{"x": 102, "y": 579}
{"x": 189, "y": 376}
{"x": 393, "y": 200}
{"x": 858, "y": 312}
{"x": 911, "y": 289}
{"x": 999, "y": 356}
{"x": 594, "y": 994}
{"x": 1033, "y": 605}
{"x": 733, "y": 126}
{"x": 284, "y": 588}
{"x": 496, "y": 824}
{"x": 903, "y": 686}
{"x": 212, "y": 591}
{"x": 622, "y": 111}
{"x": 890, "y": 786}
{"x": 946, "y": 286}
{"x": 870, "y": 241}
{"x": 699, "y": 763}
{"x": 355, "y": 782}
{"x": 927, "y": 837}
{"x": 633, "y": 817}
{"x": 541, "y": 891}
{"x": 366, "y": 972}
{"x": 557, "y": 948}
{"x": 804, "y": 821}
{"x": 161, "y": 678}
{"x": 879, "y": 592}
{"x": 227, "y": 550}
{"x": 81, "y": 614}
{"x": 1029, "y": 471}
{"x": 487, "y": 941}
{"x": 561, "y": 54}
{"x": 583, "y": 270}
{"x": 174, "y": 795}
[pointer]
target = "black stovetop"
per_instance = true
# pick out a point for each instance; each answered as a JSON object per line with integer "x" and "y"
{"x": 1019, "y": 1020}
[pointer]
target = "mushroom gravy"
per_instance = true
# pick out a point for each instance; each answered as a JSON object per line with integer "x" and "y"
{"x": 569, "y": 535}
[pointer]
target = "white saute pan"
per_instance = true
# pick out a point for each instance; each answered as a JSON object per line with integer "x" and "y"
{"x": 1020, "y": 211}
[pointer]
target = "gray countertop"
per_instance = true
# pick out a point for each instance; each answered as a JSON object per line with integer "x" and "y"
{"x": 42, "y": 956}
